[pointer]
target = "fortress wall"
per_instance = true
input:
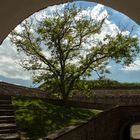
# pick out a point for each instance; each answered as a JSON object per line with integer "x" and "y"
{"x": 113, "y": 124}
{"x": 112, "y": 96}
{"x": 104, "y": 126}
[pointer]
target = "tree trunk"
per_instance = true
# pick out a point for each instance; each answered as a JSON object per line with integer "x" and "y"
{"x": 65, "y": 99}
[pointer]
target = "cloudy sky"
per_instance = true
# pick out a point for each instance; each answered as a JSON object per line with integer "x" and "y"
{"x": 11, "y": 72}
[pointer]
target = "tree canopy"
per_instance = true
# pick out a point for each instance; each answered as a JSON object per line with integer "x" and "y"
{"x": 63, "y": 48}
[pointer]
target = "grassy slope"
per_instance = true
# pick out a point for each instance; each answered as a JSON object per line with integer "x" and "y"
{"x": 39, "y": 119}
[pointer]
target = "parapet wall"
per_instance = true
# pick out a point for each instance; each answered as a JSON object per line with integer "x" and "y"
{"x": 117, "y": 96}
{"x": 104, "y": 126}
{"x": 101, "y": 99}
{"x": 109, "y": 125}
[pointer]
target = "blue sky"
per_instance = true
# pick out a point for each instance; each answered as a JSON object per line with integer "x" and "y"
{"x": 11, "y": 72}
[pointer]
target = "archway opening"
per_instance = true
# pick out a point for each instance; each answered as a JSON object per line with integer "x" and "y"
{"x": 126, "y": 130}
{"x": 135, "y": 131}
{"x": 123, "y": 72}
{"x": 131, "y": 130}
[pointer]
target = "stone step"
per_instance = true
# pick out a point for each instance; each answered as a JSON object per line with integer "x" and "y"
{"x": 7, "y": 119}
{"x": 5, "y": 97}
{"x": 4, "y": 126}
{"x": 6, "y": 106}
{"x": 6, "y": 131}
{"x": 10, "y": 136}
{"x": 6, "y": 112}
{"x": 4, "y": 101}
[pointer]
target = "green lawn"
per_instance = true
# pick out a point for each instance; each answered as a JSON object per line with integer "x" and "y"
{"x": 38, "y": 119}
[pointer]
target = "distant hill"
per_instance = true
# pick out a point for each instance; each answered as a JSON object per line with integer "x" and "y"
{"x": 94, "y": 84}
{"x": 27, "y": 83}
{"x": 106, "y": 83}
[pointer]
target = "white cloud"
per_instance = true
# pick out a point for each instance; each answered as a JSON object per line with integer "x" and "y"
{"x": 98, "y": 12}
{"x": 19, "y": 28}
{"x": 9, "y": 60}
{"x": 132, "y": 67}
{"x": 48, "y": 11}
{"x": 9, "y": 57}
{"x": 109, "y": 67}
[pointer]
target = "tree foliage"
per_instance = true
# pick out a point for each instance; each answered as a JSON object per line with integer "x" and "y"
{"x": 62, "y": 49}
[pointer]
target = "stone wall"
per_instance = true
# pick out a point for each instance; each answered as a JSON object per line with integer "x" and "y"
{"x": 113, "y": 124}
{"x": 102, "y": 98}
{"x": 104, "y": 126}
{"x": 117, "y": 96}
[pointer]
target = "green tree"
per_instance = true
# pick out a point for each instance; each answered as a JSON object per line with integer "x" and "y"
{"x": 65, "y": 37}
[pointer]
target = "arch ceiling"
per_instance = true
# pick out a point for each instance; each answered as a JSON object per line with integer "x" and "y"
{"x": 12, "y": 12}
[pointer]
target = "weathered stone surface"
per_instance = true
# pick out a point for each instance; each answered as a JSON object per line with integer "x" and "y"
{"x": 8, "y": 128}
{"x": 113, "y": 124}
{"x": 15, "y": 11}
{"x": 102, "y": 99}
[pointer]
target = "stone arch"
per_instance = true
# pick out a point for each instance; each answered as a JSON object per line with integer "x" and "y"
{"x": 125, "y": 131}
{"x": 15, "y": 11}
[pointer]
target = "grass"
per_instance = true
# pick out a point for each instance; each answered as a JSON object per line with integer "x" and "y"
{"x": 38, "y": 119}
